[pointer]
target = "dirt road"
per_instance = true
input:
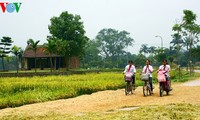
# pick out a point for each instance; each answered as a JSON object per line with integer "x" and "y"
{"x": 109, "y": 100}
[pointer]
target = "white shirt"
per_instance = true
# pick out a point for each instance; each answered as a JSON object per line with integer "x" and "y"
{"x": 148, "y": 70}
{"x": 166, "y": 68}
{"x": 132, "y": 69}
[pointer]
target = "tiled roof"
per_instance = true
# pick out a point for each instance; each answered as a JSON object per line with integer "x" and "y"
{"x": 40, "y": 53}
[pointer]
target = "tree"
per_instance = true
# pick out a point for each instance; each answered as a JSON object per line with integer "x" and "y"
{"x": 177, "y": 43}
{"x": 189, "y": 30}
{"x": 17, "y": 52}
{"x": 161, "y": 54}
{"x": 140, "y": 60}
{"x": 5, "y": 43}
{"x": 92, "y": 55}
{"x": 172, "y": 54}
{"x": 144, "y": 49}
{"x": 50, "y": 48}
{"x": 186, "y": 43}
{"x": 70, "y": 30}
{"x": 112, "y": 43}
{"x": 196, "y": 52}
{"x": 151, "y": 50}
{"x": 33, "y": 45}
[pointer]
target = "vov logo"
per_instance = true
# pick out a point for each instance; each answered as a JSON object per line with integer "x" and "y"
{"x": 10, "y": 7}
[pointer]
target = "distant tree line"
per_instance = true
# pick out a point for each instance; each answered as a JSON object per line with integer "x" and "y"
{"x": 109, "y": 48}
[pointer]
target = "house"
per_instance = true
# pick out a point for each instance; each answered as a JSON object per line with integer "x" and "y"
{"x": 43, "y": 59}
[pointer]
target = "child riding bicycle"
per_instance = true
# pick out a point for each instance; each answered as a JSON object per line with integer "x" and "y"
{"x": 148, "y": 69}
{"x": 166, "y": 69}
{"x": 130, "y": 68}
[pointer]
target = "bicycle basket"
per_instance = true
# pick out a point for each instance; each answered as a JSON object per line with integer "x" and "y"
{"x": 128, "y": 76}
{"x": 144, "y": 77}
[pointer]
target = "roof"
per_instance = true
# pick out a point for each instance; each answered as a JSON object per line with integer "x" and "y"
{"x": 40, "y": 53}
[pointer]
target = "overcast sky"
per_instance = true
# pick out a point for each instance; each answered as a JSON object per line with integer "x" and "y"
{"x": 143, "y": 19}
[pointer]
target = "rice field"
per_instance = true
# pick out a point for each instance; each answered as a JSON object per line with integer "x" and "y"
{"x": 26, "y": 90}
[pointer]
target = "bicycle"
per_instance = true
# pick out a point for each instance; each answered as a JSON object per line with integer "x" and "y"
{"x": 163, "y": 83}
{"x": 146, "y": 86}
{"x": 130, "y": 87}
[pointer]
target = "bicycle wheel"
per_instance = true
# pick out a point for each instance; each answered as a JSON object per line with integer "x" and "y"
{"x": 145, "y": 89}
{"x": 126, "y": 89}
{"x": 167, "y": 89}
{"x": 149, "y": 89}
{"x": 134, "y": 87}
{"x": 131, "y": 87}
{"x": 161, "y": 89}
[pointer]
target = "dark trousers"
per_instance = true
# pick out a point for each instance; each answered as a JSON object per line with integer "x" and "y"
{"x": 133, "y": 79}
{"x": 168, "y": 81}
{"x": 151, "y": 83}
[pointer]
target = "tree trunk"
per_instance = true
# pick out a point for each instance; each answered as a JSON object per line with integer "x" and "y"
{"x": 51, "y": 64}
{"x": 35, "y": 62}
{"x": 54, "y": 63}
{"x": 59, "y": 64}
{"x": 187, "y": 59}
{"x": 2, "y": 60}
{"x": 67, "y": 63}
{"x": 190, "y": 59}
{"x": 17, "y": 64}
{"x": 179, "y": 61}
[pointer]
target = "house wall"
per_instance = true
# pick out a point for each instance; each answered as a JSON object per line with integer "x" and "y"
{"x": 29, "y": 63}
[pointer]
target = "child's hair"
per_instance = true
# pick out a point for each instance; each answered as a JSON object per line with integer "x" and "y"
{"x": 148, "y": 61}
{"x": 130, "y": 61}
{"x": 165, "y": 60}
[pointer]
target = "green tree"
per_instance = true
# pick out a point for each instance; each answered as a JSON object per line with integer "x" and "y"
{"x": 186, "y": 43}
{"x": 196, "y": 52}
{"x": 144, "y": 49}
{"x": 177, "y": 44}
{"x": 189, "y": 30}
{"x": 33, "y": 45}
{"x": 70, "y": 30}
{"x": 17, "y": 52}
{"x": 112, "y": 43}
{"x": 92, "y": 55}
{"x": 50, "y": 48}
{"x": 172, "y": 54}
{"x": 151, "y": 50}
{"x": 161, "y": 54}
{"x": 139, "y": 61}
{"x": 5, "y": 44}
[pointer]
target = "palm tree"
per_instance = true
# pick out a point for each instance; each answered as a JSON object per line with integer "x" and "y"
{"x": 177, "y": 42}
{"x": 16, "y": 51}
{"x": 144, "y": 49}
{"x": 50, "y": 47}
{"x": 151, "y": 50}
{"x": 186, "y": 43}
{"x": 33, "y": 45}
{"x": 5, "y": 49}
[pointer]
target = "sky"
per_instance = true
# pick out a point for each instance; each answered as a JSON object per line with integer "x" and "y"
{"x": 143, "y": 19}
